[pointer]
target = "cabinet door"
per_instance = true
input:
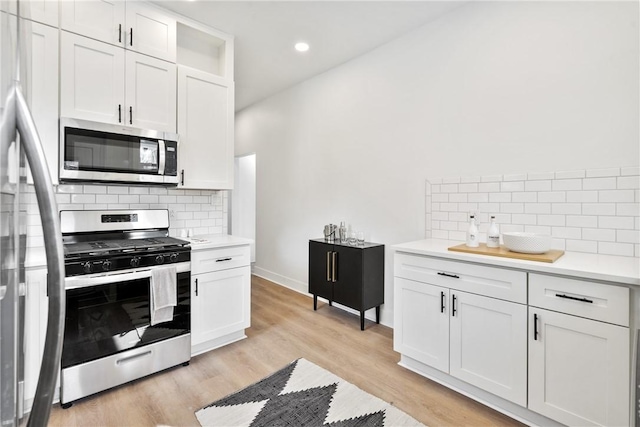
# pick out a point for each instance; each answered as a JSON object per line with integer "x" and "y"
{"x": 578, "y": 369}
{"x": 489, "y": 345}
{"x": 36, "y": 309}
{"x": 98, "y": 19}
{"x": 43, "y": 92}
{"x": 150, "y": 93}
{"x": 150, "y": 31}
{"x": 220, "y": 304}
{"x": 92, "y": 79}
{"x": 421, "y": 322}
{"x": 320, "y": 283}
{"x": 205, "y": 126}
{"x": 347, "y": 289}
{"x": 43, "y": 11}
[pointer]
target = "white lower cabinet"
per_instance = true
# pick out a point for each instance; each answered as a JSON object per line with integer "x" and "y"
{"x": 578, "y": 369}
{"x": 480, "y": 340}
{"x": 220, "y": 297}
{"x": 489, "y": 345}
{"x": 35, "y": 328}
{"x": 542, "y": 348}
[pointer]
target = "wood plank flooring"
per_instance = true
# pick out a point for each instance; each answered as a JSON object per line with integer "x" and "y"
{"x": 284, "y": 327}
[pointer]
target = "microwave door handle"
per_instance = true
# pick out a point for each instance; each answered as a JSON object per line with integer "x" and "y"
{"x": 55, "y": 262}
{"x": 163, "y": 156}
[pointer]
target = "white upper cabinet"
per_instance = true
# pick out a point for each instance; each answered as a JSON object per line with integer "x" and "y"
{"x": 150, "y": 90}
{"x": 205, "y": 126}
{"x": 98, "y": 19}
{"x": 101, "y": 83}
{"x": 151, "y": 32}
{"x": 43, "y": 93}
{"x": 92, "y": 80}
{"x": 134, "y": 25}
{"x": 43, "y": 11}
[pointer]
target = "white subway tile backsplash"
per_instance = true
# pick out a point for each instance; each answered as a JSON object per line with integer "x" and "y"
{"x": 440, "y": 216}
{"x": 582, "y": 196}
{"x": 628, "y": 236}
{"x": 457, "y": 235}
{"x": 451, "y": 180}
{"x": 570, "y": 174}
{"x": 617, "y": 222}
{"x": 184, "y": 199}
{"x": 622, "y": 249}
{"x": 83, "y": 198}
{"x": 440, "y": 234}
{"x": 468, "y": 188}
{"x": 138, "y": 190}
{"x": 599, "y": 183}
{"x": 440, "y": 197}
{"x": 566, "y": 208}
{"x": 631, "y": 170}
{"x": 149, "y": 198}
{"x": 582, "y": 246}
{"x": 595, "y": 211}
{"x": 427, "y": 203}
{"x": 534, "y": 176}
{"x": 543, "y": 185}
{"x": 566, "y": 184}
{"x": 115, "y": 189}
{"x": 621, "y": 196}
{"x": 95, "y": 189}
{"x": 552, "y": 196}
{"x": 599, "y": 208}
{"x": 594, "y": 173}
{"x": 599, "y": 234}
{"x": 128, "y": 198}
{"x": 69, "y": 188}
{"x": 630, "y": 182}
{"x": 157, "y": 190}
{"x": 168, "y": 199}
{"x": 489, "y": 187}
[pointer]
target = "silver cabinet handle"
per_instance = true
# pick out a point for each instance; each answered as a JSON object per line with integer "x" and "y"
{"x": 328, "y": 268}
{"x": 55, "y": 262}
{"x": 333, "y": 274}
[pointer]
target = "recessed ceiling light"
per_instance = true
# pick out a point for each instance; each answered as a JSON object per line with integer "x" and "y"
{"x": 302, "y": 47}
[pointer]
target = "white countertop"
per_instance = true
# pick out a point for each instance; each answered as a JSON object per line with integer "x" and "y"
{"x": 589, "y": 266}
{"x": 215, "y": 241}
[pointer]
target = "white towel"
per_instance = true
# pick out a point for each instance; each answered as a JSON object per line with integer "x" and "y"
{"x": 163, "y": 294}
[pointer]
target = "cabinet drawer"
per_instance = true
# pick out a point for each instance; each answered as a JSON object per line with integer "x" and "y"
{"x": 208, "y": 260}
{"x": 592, "y": 300}
{"x": 493, "y": 282}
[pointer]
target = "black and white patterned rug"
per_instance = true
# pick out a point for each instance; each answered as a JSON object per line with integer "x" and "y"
{"x": 302, "y": 394}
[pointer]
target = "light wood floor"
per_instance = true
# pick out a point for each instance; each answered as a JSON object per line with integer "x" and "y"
{"x": 284, "y": 327}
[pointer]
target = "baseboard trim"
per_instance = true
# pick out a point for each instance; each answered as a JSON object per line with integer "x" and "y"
{"x": 302, "y": 288}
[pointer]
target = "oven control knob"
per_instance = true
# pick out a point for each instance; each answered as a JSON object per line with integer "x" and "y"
{"x": 159, "y": 259}
{"x": 173, "y": 257}
{"x": 86, "y": 267}
{"x": 106, "y": 265}
{"x": 135, "y": 262}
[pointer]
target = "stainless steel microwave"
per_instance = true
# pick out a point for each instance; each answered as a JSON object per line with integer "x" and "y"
{"x": 102, "y": 152}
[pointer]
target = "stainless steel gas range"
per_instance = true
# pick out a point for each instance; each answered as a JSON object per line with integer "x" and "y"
{"x": 127, "y": 299}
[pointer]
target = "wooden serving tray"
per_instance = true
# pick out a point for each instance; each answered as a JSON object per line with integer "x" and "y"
{"x": 550, "y": 256}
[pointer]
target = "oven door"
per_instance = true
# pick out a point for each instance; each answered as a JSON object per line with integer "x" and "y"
{"x": 110, "y": 314}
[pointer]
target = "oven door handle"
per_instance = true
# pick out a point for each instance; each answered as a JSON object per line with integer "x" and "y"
{"x": 84, "y": 281}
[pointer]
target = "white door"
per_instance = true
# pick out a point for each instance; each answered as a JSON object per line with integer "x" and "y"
{"x": 421, "y": 323}
{"x": 205, "y": 126}
{"x": 43, "y": 92}
{"x": 150, "y": 31}
{"x": 578, "y": 369}
{"x": 150, "y": 93}
{"x": 221, "y": 304}
{"x": 98, "y": 19}
{"x": 489, "y": 345}
{"x": 91, "y": 80}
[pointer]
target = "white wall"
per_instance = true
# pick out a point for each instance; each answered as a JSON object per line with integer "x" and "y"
{"x": 491, "y": 88}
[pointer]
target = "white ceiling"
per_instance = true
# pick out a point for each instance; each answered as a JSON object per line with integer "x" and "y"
{"x": 337, "y": 31}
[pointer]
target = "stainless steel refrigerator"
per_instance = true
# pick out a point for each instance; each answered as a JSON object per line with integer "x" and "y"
{"x": 19, "y": 145}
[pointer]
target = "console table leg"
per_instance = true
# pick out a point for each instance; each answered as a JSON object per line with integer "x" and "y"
{"x": 362, "y": 320}
{"x": 315, "y": 302}
{"x": 330, "y": 303}
{"x": 378, "y": 314}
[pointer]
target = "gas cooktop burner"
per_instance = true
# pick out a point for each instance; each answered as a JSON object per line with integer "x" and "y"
{"x": 121, "y": 245}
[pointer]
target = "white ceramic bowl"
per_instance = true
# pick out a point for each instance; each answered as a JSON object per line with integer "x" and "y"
{"x": 526, "y": 243}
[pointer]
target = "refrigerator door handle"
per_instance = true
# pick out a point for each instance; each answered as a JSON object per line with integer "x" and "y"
{"x": 55, "y": 262}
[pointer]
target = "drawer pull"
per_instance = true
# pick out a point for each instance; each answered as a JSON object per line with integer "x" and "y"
{"x": 574, "y": 298}
{"x": 441, "y": 302}
{"x": 328, "y": 266}
{"x": 333, "y": 265}
{"x": 196, "y": 287}
{"x": 535, "y": 326}
{"x": 453, "y": 305}
{"x": 135, "y": 356}
{"x": 448, "y": 275}
{"x": 224, "y": 259}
